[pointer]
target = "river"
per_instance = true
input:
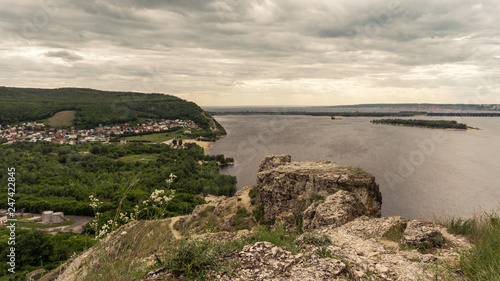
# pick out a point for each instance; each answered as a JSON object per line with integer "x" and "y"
{"x": 423, "y": 173}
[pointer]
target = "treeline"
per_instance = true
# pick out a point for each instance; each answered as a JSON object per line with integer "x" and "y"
{"x": 61, "y": 178}
{"x": 423, "y": 123}
{"x": 34, "y": 247}
{"x": 343, "y": 114}
{"x": 94, "y": 107}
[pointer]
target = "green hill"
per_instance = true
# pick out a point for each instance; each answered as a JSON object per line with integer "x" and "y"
{"x": 94, "y": 107}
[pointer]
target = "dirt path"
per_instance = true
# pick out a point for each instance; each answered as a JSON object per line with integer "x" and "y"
{"x": 245, "y": 199}
{"x": 173, "y": 220}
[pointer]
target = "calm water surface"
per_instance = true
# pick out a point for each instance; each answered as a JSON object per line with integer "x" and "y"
{"x": 422, "y": 173}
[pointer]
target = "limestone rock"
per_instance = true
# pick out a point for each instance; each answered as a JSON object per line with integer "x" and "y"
{"x": 378, "y": 227}
{"x": 422, "y": 235}
{"x": 336, "y": 210}
{"x": 287, "y": 189}
{"x": 265, "y": 261}
{"x": 274, "y": 161}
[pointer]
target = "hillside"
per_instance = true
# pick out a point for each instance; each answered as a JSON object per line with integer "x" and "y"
{"x": 94, "y": 107}
{"x": 303, "y": 221}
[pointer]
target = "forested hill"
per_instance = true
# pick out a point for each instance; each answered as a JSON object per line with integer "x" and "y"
{"x": 94, "y": 107}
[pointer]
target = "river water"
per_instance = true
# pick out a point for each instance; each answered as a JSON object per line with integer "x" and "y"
{"x": 423, "y": 173}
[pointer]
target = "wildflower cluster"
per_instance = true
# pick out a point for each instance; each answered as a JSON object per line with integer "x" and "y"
{"x": 153, "y": 207}
{"x": 95, "y": 204}
{"x": 170, "y": 179}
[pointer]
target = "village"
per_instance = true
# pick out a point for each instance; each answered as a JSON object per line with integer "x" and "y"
{"x": 39, "y": 132}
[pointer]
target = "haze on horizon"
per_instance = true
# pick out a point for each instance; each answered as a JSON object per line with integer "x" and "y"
{"x": 262, "y": 52}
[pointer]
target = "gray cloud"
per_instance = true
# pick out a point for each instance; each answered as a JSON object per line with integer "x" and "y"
{"x": 236, "y": 52}
{"x": 65, "y": 55}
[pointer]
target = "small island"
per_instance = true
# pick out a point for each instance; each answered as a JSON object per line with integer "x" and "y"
{"x": 440, "y": 124}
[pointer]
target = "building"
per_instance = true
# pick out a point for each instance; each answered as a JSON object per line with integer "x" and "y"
{"x": 51, "y": 217}
{"x": 123, "y": 141}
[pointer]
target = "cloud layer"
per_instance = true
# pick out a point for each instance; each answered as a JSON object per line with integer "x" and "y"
{"x": 262, "y": 52}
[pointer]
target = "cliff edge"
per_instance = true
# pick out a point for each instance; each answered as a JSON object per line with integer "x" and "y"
{"x": 327, "y": 214}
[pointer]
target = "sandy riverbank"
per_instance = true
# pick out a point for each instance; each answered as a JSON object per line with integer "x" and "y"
{"x": 204, "y": 144}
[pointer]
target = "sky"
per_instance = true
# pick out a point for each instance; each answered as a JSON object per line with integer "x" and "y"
{"x": 262, "y": 52}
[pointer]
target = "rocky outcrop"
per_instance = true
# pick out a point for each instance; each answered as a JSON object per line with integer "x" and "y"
{"x": 338, "y": 210}
{"x": 287, "y": 189}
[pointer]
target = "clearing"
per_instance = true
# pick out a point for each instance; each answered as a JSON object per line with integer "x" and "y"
{"x": 159, "y": 137}
{"x": 62, "y": 118}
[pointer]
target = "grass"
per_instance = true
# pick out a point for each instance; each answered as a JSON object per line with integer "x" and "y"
{"x": 62, "y": 118}
{"x": 482, "y": 262}
{"x": 139, "y": 157}
{"x": 194, "y": 258}
{"x": 160, "y": 137}
{"x": 38, "y": 225}
{"x": 316, "y": 239}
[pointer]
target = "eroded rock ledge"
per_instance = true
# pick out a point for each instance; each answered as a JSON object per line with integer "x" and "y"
{"x": 318, "y": 192}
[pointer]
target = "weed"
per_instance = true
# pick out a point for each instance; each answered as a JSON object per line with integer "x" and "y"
{"x": 258, "y": 213}
{"x": 324, "y": 253}
{"x": 461, "y": 226}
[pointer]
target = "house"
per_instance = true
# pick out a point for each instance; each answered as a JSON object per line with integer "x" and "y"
{"x": 123, "y": 141}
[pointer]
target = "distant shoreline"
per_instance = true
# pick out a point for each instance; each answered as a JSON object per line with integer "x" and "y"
{"x": 449, "y": 129}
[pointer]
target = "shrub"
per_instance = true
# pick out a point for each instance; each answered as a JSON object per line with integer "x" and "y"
{"x": 253, "y": 192}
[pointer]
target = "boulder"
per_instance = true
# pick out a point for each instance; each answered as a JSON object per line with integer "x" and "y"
{"x": 336, "y": 210}
{"x": 422, "y": 235}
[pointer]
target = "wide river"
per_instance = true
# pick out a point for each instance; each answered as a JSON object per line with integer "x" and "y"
{"x": 423, "y": 173}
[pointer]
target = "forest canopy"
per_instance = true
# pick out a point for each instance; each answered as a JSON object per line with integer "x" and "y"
{"x": 94, "y": 107}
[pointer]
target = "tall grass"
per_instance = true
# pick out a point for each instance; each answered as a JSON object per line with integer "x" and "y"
{"x": 482, "y": 262}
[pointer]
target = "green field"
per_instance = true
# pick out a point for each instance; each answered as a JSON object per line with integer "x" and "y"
{"x": 160, "y": 137}
{"x": 139, "y": 157}
{"x": 62, "y": 118}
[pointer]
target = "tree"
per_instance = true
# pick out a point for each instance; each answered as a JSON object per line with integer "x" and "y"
{"x": 34, "y": 247}
{"x": 174, "y": 142}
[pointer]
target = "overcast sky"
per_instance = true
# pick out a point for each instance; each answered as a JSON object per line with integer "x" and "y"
{"x": 263, "y": 52}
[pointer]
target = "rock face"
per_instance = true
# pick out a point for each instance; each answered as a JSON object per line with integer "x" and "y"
{"x": 287, "y": 189}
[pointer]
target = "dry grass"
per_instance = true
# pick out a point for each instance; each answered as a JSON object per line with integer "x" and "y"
{"x": 129, "y": 252}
